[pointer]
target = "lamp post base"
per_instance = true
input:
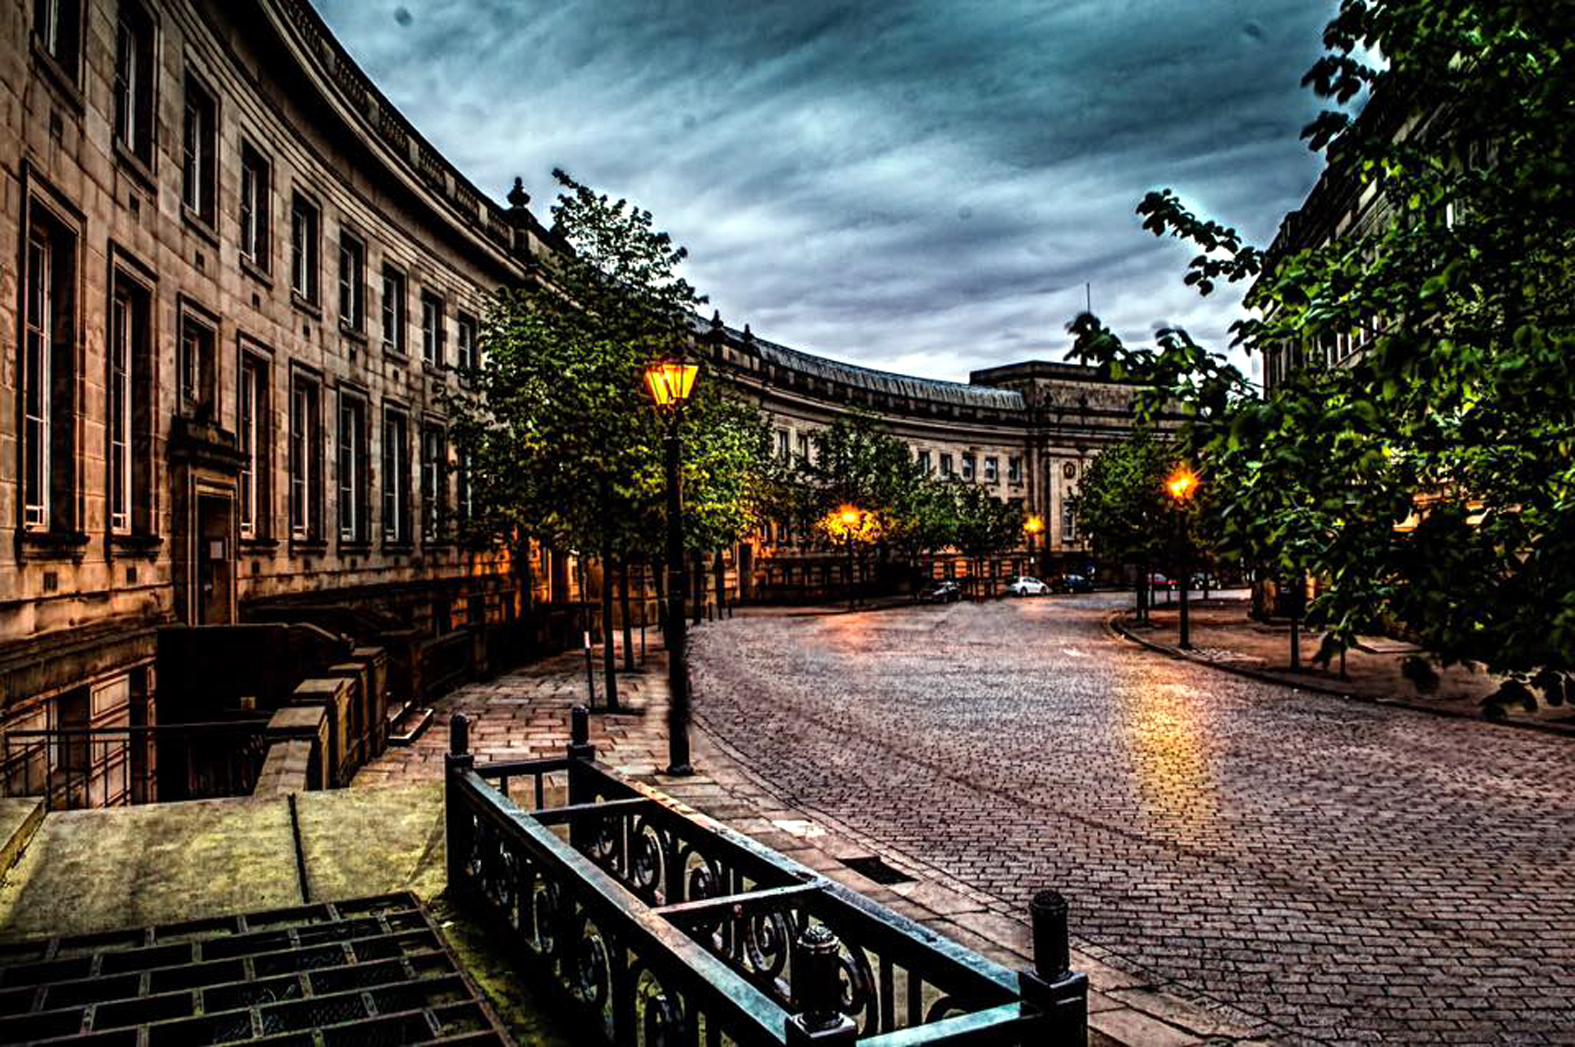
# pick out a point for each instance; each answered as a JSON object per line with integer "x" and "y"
{"x": 679, "y": 770}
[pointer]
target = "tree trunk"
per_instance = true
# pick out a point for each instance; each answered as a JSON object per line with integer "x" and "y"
{"x": 1142, "y": 595}
{"x": 720, "y": 569}
{"x": 660, "y": 567}
{"x": 609, "y": 654}
{"x": 628, "y": 624}
{"x": 698, "y": 586}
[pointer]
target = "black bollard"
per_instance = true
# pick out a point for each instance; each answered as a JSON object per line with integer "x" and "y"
{"x": 580, "y": 747}
{"x": 1052, "y": 953}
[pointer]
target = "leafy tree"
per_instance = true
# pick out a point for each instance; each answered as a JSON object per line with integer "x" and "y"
{"x": 560, "y": 441}
{"x": 985, "y": 525}
{"x": 1427, "y": 482}
{"x": 1122, "y": 506}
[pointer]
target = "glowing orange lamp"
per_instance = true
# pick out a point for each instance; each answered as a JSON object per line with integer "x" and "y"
{"x": 670, "y": 381}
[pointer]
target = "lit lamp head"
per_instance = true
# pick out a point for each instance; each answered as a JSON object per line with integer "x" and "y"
{"x": 1181, "y": 483}
{"x": 1034, "y": 524}
{"x": 849, "y": 515}
{"x": 670, "y": 381}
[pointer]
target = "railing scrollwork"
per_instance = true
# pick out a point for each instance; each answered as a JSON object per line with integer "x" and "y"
{"x": 666, "y": 929}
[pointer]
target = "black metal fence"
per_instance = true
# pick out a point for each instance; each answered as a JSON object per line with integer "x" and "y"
{"x": 77, "y": 767}
{"x": 663, "y": 928}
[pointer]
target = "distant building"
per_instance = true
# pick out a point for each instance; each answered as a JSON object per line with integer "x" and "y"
{"x": 240, "y": 285}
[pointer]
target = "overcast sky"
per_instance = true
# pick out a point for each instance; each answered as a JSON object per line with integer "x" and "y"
{"x": 923, "y": 186}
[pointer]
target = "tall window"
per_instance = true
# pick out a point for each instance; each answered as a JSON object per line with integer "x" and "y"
{"x": 134, "y": 80}
{"x": 254, "y": 447}
{"x": 199, "y": 149}
{"x": 57, "y": 27}
{"x": 305, "y": 459}
{"x": 434, "y": 482}
{"x": 303, "y": 249}
{"x": 803, "y": 445}
{"x": 924, "y": 462}
{"x": 197, "y": 367}
{"x": 1068, "y": 520}
{"x": 396, "y": 477}
{"x": 946, "y": 465}
{"x": 352, "y": 282}
{"x": 47, "y": 373}
{"x": 352, "y": 469}
{"x": 992, "y": 470}
{"x": 782, "y": 444}
{"x": 1014, "y": 469}
{"x": 393, "y": 310}
{"x": 130, "y": 409}
{"x": 431, "y": 329}
{"x": 255, "y": 176}
{"x": 465, "y": 341}
{"x": 967, "y": 466}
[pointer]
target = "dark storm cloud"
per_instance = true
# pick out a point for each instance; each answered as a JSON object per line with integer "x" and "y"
{"x": 922, "y": 187}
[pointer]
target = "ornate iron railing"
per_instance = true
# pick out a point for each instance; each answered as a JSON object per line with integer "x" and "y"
{"x": 664, "y": 928}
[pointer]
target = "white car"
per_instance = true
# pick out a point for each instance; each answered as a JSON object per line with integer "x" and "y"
{"x": 1027, "y": 587}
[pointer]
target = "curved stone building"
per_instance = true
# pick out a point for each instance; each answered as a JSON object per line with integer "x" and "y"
{"x": 239, "y": 285}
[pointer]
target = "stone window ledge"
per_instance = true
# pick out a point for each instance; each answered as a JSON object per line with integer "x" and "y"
{"x": 52, "y": 545}
{"x": 137, "y": 546}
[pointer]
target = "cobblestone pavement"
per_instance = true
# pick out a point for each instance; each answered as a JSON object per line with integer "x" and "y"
{"x": 1352, "y": 873}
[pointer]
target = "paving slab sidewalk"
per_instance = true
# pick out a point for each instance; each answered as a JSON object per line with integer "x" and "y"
{"x": 524, "y": 714}
{"x": 1225, "y": 637}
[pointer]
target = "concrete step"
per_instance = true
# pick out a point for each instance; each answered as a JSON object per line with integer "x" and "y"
{"x": 408, "y": 724}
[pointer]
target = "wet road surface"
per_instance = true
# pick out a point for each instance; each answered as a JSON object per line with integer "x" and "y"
{"x": 1353, "y": 873}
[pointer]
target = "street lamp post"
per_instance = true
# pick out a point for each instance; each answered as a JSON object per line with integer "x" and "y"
{"x": 1180, "y": 485}
{"x": 1032, "y": 527}
{"x": 670, "y": 382}
{"x": 849, "y": 516}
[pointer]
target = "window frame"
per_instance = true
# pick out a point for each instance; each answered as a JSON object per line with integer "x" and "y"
{"x": 306, "y": 457}
{"x": 255, "y": 213}
{"x": 434, "y": 482}
{"x": 252, "y": 430}
{"x": 395, "y": 455}
{"x": 353, "y": 284}
{"x": 306, "y": 230}
{"x": 353, "y": 469}
{"x": 199, "y": 151}
{"x": 197, "y": 393}
{"x": 432, "y": 334}
{"x": 393, "y": 275}
{"x": 48, "y": 497}
{"x": 134, "y": 81}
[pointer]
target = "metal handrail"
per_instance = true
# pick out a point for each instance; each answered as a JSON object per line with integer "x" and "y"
{"x": 653, "y": 918}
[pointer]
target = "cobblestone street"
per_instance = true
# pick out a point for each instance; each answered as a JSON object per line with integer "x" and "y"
{"x": 1349, "y": 872}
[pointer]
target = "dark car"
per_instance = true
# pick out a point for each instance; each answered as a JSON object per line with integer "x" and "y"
{"x": 1072, "y": 583}
{"x": 940, "y": 592}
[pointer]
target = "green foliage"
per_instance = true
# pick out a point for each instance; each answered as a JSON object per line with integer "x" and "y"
{"x": 561, "y": 439}
{"x": 1121, "y": 502}
{"x": 1427, "y": 482}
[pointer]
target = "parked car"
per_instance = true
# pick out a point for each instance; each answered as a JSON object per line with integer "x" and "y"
{"x": 941, "y": 592}
{"x": 1022, "y": 585}
{"x": 1072, "y": 583}
{"x": 1159, "y": 581}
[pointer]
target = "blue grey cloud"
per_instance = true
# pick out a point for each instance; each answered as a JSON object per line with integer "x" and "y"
{"x": 925, "y": 187}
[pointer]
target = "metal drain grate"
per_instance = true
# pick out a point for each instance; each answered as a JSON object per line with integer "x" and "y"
{"x": 873, "y": 867}
{"x": 372, "y": 971}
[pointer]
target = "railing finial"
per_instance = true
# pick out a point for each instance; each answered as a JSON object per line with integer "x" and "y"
{"x": 459, "y": 735}
{"x": 817, "y": 990}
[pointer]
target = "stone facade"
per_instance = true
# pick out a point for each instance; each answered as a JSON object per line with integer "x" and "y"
{"x": 241, "y": 286}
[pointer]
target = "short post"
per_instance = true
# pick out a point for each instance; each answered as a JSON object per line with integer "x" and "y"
{"x": 456, "y": 824}
{"x": 590, "y": 669}
{"x": 580, "y": 747}
{"x": 817, "y": 1016}
{"x": 1060, "y": 993}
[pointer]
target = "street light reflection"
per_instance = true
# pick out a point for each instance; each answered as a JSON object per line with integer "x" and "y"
{"x": 1167, "y": 734}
